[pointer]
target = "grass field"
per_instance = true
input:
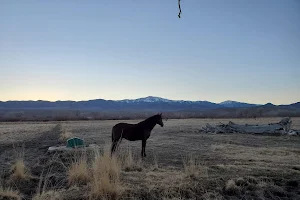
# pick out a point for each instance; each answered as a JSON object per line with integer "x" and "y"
{"x": 181, "y": 163}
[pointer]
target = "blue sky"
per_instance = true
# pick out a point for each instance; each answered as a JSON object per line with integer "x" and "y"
{"x": 219, "y": 50}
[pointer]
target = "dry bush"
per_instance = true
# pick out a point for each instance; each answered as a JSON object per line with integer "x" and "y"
{"x": 78, "y": 173}
{"x": 43, "y": 193}
{"x": 9, "y": 193}
{"x": 194, "y": 169}
{"x": 18, "y": 170}
{"x": 105, "y": 183}
{"x": 231, "y": 187}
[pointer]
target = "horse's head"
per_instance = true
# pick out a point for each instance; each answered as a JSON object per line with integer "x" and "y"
{"x": 159, "y": 119}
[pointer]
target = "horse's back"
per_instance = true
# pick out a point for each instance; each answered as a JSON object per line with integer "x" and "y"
{"x": 122, "y": 125}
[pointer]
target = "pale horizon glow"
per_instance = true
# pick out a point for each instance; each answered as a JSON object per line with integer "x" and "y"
{"x": 217, "y": 51}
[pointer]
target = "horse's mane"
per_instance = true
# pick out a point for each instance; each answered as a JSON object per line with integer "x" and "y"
{"x": 152, "y": 118}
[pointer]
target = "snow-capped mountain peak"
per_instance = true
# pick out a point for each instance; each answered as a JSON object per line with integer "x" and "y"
{"x": 154, "y": 99}
{"x": 228, "y": 102}
{"x": 151, "y": 99}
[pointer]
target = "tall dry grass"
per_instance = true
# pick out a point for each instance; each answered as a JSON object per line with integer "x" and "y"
{"x": 79, "y": 172}
{"x": 101, "y": 173}
{"x": 9, "y": 194}
{"x": 130, "y": 162}
{"x": 193, "y": 168}
{"x": 65, "y": 134}
{"x": 43, "y": 192}
{"x": 18, "y": 170}
{"x": 105, "y": 183}
{"x": 155, "y": 162}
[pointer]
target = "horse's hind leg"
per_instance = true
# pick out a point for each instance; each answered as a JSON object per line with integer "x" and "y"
{"x": 113, "y": 147}
{"x": 115, "y": 144}
{"x": 116, "y": 140}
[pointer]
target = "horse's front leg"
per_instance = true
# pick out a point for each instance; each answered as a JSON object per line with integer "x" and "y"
{"x": 143, "y": 148}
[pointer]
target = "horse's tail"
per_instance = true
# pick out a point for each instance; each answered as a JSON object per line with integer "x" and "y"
{"x": 115, "y": 140}
{"x": 112, "y": 134}
{"x": 120, "y": 139}
{"x": 115, "y": 137}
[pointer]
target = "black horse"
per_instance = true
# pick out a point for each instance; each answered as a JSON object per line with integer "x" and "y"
{"x": 133, "y": 132}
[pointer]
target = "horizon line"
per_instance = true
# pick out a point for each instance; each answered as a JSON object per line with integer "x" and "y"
{"x": 53, "y": 101}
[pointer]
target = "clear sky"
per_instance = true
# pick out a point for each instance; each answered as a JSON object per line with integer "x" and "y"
{"x": 219, "y": 50}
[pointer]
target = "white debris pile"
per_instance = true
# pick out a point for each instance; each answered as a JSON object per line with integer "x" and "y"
{"x": 281, "y": 128}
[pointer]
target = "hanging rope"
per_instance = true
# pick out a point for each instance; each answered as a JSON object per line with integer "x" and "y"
{"x": 179, "y": 8}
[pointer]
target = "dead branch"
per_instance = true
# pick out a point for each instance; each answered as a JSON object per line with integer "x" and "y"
{"x": 281, "y": 128}
{"x": 179, "y": 8}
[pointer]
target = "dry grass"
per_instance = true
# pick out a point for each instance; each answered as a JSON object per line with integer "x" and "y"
{"x": 216, "y": 166}
{"x": 231, "y": 187}
{"x": 43, "y": 193}
{"x": 9, "y": 194}
{"x": 217, "y": 147}
{"x": 17, "y": 132}
{"x": 78, "y": 173}
{"x": 65, "y": 134}
{"x": 155, "y": 163}
{"x": 193, "y": 168}
{"x": 212, "y": 196}
{"x": 105, "y": 183}
{"x": 130, "y": 162}
{"x": 48, "y": 195}
{"x": 280, "y": 155}
{"x": 260, "y": 188}
{"x": 19, "y": 171}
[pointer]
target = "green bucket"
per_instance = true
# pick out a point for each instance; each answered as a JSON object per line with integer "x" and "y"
{"x": 75, "y": 142}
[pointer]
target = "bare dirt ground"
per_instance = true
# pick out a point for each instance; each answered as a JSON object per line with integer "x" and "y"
{"x": 225, "y": 166}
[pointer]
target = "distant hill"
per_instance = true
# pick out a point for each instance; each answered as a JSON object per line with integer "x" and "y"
{"x": 145, "y": 103}
{"x": 236, "y": 104}
{"x": 135, "y": 108}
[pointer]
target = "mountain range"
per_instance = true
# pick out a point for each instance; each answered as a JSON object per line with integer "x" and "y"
{"x": 149, "y": 103}
{"x": 100, "y": 109}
